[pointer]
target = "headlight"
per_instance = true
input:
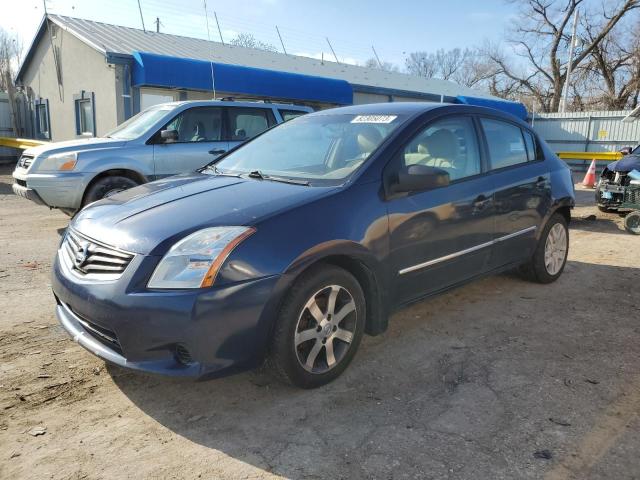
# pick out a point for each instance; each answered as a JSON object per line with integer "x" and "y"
{"x": 194, "y": 261}
{"x": 59, "y": 162}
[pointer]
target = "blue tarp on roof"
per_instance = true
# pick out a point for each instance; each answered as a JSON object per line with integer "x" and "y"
{"x": 514, "y": 108}
{"x": 150, "y": 69}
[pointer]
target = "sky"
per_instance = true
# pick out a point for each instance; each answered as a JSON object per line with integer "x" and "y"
{"x": 395, "y": 29}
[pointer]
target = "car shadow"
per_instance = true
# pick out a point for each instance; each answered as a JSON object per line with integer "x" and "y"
{"x": 455, "y": 379}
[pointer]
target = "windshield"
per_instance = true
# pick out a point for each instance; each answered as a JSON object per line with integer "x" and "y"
{"x": 140, "y": 123}
{"x": 323, "y": 149}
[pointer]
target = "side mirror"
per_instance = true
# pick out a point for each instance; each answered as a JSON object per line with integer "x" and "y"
{"x": 169, "y": 136}
{"x": 626, "y": 150}
{"x": 420, "y": 177}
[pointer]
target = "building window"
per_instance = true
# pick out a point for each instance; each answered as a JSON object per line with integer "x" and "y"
{"x": 85, "y": 113}
{"x": 42, "y": 118}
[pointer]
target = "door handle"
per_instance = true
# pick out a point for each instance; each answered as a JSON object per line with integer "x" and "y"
{"x": 481, "y": 202}
{"x": 217, "y": 152}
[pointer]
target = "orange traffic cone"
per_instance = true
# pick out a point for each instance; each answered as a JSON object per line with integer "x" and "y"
{"x": 590, "y": 178}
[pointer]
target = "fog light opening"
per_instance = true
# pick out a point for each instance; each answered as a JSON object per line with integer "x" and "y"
{"x": 182, "y": 355}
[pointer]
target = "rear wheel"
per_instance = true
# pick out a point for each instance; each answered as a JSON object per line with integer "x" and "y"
{"x": 632, "y": 222}
{"x": 319, "y": 328}
{"x": 548, "y": 261}
{"x": 107, "y": 186}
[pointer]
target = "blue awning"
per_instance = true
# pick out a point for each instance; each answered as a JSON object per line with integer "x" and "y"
{"x": 154, "y": 70}
{"x": 516, "y": 109}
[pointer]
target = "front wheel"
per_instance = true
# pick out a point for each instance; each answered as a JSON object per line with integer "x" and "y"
{"x": 632, "y": 222}
{"x": 550, "y": 257}
{"x": 107, "y": 186}
{"x": 319, "y": 328}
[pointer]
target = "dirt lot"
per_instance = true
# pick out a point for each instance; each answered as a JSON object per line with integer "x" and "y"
{"x": 481, "y": 383}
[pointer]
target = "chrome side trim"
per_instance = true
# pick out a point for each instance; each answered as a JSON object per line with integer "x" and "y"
{"x": 451, "y": 256}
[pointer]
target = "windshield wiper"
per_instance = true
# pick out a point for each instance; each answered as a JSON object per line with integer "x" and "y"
{"x": 261, "y": 176}
{"x": 217, "y": 171}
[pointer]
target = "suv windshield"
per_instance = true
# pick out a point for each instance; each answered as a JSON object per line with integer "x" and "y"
{"x": 140, "y": 123}
{"x": 322, "y": 149}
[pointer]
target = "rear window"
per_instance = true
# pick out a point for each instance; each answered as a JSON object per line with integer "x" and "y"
{"x": 505, "y": 142}
{"x": 290, "y": 114}
{"x": 246, "y": 123}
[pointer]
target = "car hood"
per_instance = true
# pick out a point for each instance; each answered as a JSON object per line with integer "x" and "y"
{"x": 79, "y": 145}
{"x": 625, "y": 164}
{"x": 148, "y": 219}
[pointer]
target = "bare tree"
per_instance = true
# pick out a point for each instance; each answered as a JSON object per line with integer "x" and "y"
{"x": 386, "y": 66}
{"x": 10, "y": 50}
{"x": 541, "y": 37}
{"x": 614, "y": 68}
{"x": 465, "y": 67}
{"x": 247, "y": 40}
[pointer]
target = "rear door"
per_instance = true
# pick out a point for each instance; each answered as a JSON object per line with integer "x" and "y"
{"x": 522, "y": 189}
{"x": 442, "y": 236}
{"x": 244, "y": 123}
{"x": 200, "y": 140}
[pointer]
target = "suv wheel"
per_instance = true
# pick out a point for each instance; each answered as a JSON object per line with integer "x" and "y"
{"x": 106, "y": 187}
{"x": 319, "y": 328}
{"x": 550, "y": 257}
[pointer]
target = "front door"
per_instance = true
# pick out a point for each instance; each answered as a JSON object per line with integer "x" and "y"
{"x": 522, "y": 189}
{"x": 199, "y": 140}
{"x": 442, "y": 236}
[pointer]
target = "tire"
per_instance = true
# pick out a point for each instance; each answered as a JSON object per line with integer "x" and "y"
{"x": 544, "y": 267}
{"x": 107, "y": 186}
{"x": 632, "y": 222}
{"x": 298, "y": 335}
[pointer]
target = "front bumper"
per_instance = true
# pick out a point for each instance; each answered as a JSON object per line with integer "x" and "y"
{"x": 224, "y": 329}
{"x": 58, "y": 190}
{"x": 609, "y": 195}
{"x": 27, "y": 193}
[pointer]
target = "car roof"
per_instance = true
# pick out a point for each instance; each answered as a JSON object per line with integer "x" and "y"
{"x": 233, "y": 103}
{"x": 417, "y": 108}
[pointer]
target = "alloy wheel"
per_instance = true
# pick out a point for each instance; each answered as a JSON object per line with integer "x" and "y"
{"x": 555, "y": 249}
{"x": 325, "y": 329}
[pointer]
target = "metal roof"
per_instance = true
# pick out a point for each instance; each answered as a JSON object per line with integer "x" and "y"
{"x": 116, "y": 39}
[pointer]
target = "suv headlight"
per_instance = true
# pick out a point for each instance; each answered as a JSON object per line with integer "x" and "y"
{"x": 194, "y": 261}
{"x": 59, "y": 162}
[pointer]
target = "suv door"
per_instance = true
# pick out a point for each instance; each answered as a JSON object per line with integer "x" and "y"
{"x": 522, "y": 189}
{"x": 245, "y": 123}
{"x": 200, "y": 140}
{"x": 442, "y": 236}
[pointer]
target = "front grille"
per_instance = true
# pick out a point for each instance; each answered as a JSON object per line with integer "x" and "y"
{"x": 25, "y": 161}
{"x": 93, "y": 260}
{"x": 632, "y": 195}
{"x": 103, "y": 335}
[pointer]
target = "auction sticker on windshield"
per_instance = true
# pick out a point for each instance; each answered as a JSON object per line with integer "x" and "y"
{"x": 374, "y": 119}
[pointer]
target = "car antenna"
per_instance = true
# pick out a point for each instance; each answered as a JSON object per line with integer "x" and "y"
{"x": 213, "y": 78}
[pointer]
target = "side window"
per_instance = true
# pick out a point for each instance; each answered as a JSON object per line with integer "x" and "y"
{"x": 531, "y": 146}
{"x": 505, "y": 142}
{"x": 290, "y": 114}
{"x": 42, "y": 118}
{"x": 84, "y": 105}
{"x": 450, "y": 144}
{"x": 246, "y": 123}
{"x": 198, "y": 124}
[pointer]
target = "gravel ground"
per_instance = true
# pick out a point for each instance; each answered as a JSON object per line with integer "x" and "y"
{"x": 498, "y": 379}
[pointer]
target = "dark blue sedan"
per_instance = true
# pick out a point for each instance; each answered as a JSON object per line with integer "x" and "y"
{"x": 288, "y": 249}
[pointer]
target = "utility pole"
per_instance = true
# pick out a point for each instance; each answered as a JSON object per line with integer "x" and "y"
{"x": 218, "y": 24}
{"x": 157, "y": 22}
{"x": 332, "y": 51}
{"x": 376, "y": 55}
{"x": 567, "y": 82}
{"x": 281, "y": 42}
{"x": 141, "y": 17}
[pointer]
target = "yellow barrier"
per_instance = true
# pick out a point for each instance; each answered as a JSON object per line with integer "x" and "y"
{"x": 608, "y": 156}
{"x": 21, "y": 143}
